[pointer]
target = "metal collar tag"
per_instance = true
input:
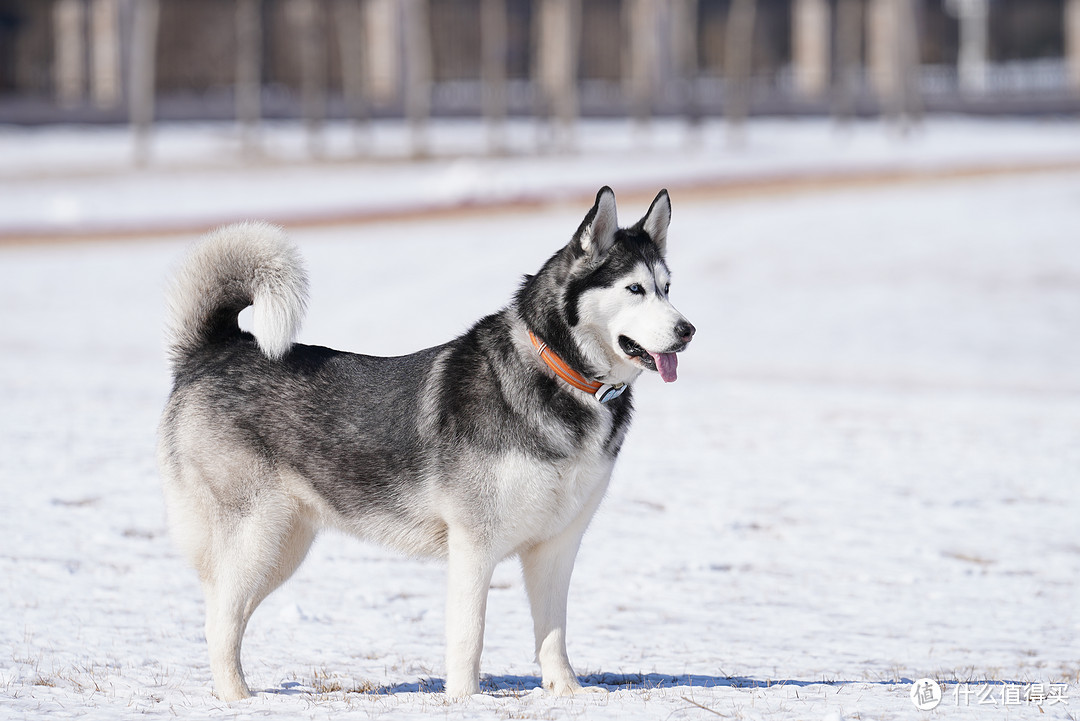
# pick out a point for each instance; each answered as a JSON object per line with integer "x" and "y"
{"x": 608, "y": 392}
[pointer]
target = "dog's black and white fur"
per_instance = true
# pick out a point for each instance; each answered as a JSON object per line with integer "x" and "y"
{"x": 471, "y": 451}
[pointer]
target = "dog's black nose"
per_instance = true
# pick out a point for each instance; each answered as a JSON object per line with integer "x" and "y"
{"x": 685, "y": 330}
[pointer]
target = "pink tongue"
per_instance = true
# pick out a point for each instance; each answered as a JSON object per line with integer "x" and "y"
{"x": 666, "y": 363}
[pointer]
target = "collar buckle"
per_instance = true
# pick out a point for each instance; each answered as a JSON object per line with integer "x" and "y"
{"x": 608, "y": 392}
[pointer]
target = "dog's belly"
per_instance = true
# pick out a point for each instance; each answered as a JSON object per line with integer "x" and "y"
{"x": 401, "y": 517}
{"x": 507, "y": 503}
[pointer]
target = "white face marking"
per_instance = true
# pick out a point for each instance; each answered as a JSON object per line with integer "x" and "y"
{"x": 637, "y": 306}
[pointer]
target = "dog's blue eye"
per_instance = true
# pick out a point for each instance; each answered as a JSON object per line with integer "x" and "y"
{"x": 635, "y": 289}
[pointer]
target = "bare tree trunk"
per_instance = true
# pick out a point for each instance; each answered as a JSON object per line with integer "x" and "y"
{"x": 307, "y": 18}
{"x": 972, "y": 61}
{"x": 494, "y": 39}
{"x": 1072, "y": 43}
{"x": 640, "y": 56}
{"x": 556, "y": 65}
{"x": 893, "y": 49}
{"x": 382, "y": 67}
{"x": 881, "y": 34}
{"x": 69, "y": 64}
{"x": 105, "y": 54}
{"x": 810, "y": 30}
{"x": 738, "y": 55}
{"x": 249, "y": 72}
{"x": 684, "y": 27}
{"x": 849, "y": 33}
{"x": 349, "y": 19}
{"x": 143, "y": 75}
{"x": 911, "y": 101}
{"x": 418, "y": 72}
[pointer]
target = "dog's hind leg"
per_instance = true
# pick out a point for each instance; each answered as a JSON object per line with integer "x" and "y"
{"x": 226, "y": 619}
{"x": 251, "y": 560}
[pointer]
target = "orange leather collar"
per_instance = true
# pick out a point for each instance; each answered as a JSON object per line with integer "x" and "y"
{"x": 603, "y": 392}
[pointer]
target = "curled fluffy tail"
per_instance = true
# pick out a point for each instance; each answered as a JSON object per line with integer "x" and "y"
{"x": 228, "y": 270}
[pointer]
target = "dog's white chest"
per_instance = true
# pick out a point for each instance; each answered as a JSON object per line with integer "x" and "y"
{"x": 535, "y": 500}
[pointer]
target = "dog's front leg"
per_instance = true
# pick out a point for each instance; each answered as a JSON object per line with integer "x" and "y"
{"x": 469, "y": 577}
{"x": 547, "y": 568}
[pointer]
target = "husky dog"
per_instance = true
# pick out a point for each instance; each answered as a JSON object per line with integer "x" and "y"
{"x": 499, "y": 443}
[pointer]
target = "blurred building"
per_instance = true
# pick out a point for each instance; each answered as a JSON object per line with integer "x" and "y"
{"x": 79, "y": 59}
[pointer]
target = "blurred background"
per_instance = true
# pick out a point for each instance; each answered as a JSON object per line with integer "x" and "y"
{"x": 141, "y": 61}
{"x": 653, "y": 92}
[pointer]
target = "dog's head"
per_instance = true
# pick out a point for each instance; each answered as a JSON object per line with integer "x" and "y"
{"x": 617, "y": 300}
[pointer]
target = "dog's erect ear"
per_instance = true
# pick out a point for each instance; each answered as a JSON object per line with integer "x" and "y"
{"x": 656, "y": 221}
{"x": 597, "y": 232}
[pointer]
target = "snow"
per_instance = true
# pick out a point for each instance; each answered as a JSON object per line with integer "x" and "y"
{"x": 865, "y": 474}
{"x": 60, "y": 181}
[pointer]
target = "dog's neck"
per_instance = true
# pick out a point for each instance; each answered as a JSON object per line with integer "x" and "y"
{"x": 603, "y": 392}
{"x": 611, "y": 367}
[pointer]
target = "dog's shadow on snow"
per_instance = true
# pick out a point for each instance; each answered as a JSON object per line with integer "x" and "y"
{"x": 515, "y": 685}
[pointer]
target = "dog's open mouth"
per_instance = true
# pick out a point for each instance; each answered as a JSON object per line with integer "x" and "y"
{"x": 666, "y": 364}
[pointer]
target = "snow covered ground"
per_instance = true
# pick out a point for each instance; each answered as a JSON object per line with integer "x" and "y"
{"x": 865, "y": 475}
{"x": 61, "y": 181}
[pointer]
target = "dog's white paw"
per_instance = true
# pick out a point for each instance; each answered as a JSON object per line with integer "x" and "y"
{"x": 569, "y": 686}
{"x": 461, "y": 690}
{"x": 233, "y": 693}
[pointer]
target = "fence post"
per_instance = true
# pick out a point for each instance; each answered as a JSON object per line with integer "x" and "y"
{"x": 143, "y": 75}
{"x": 1072, "y": 43}
{"x": 494, "y": 41}
{"x": 69, "y": 51}
{"x": 640, "y": 56}
{"x": 738, "y": 49}
{"x": 105, "y": 53}
{"x": 556, "y": 66}
{"x": 849, "y": 35}
{"x": 810, "y": 47}
{"x": 306, "y": 17}
{"x": 349, "y": 20}
{"x": 248, "y": 92}
{"x": 684, "y": 43}
{"x": 418, "y": 72}
{"x": 893, "y": 51}
{"x": 972, "y": 61}
{"x": 382, "y": 50}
